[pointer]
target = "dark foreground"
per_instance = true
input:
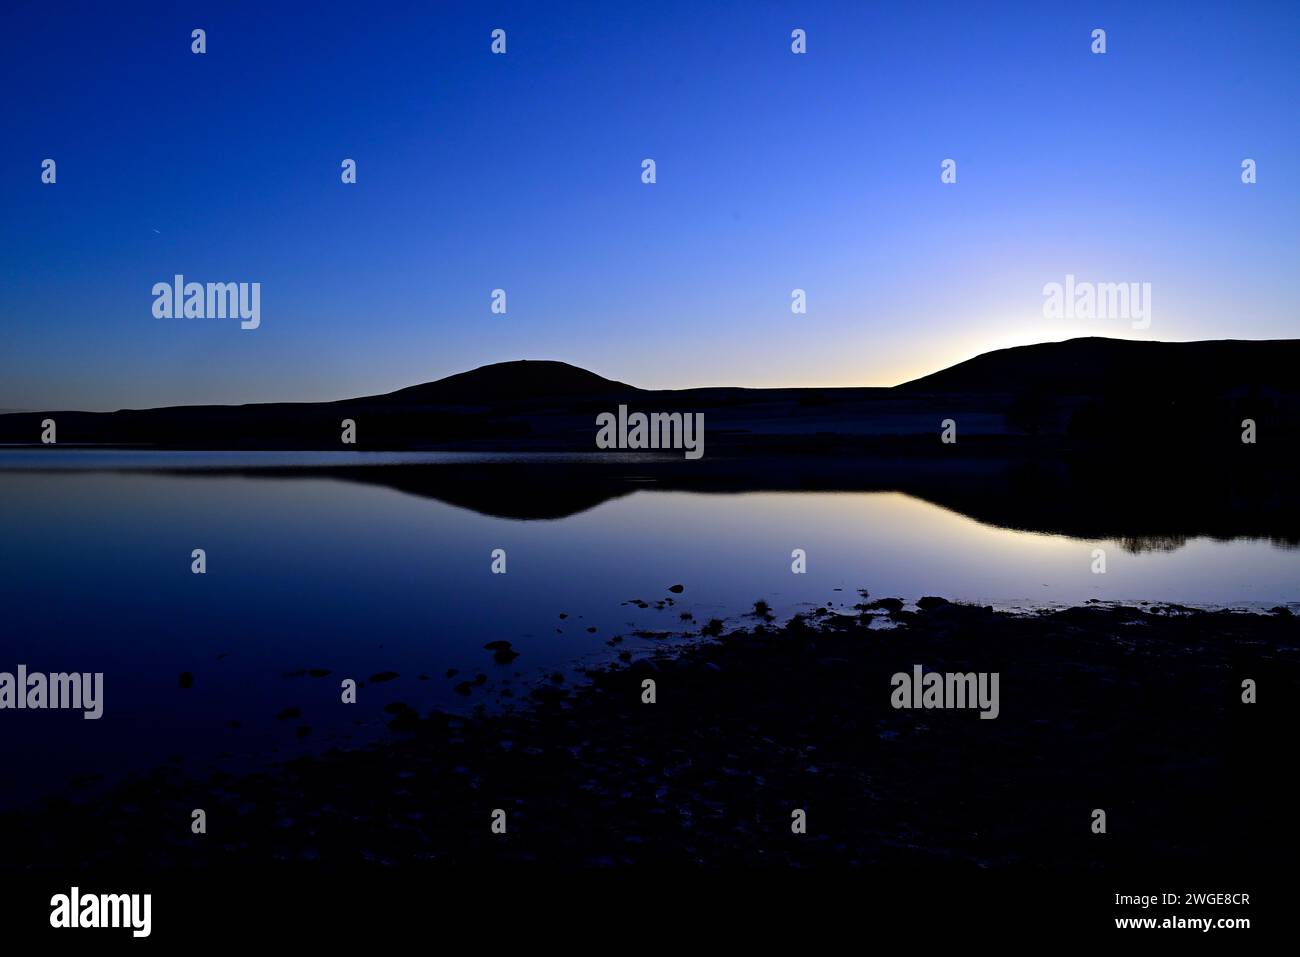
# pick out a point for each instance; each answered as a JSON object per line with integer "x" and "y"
{"x": 1135, "y": 712}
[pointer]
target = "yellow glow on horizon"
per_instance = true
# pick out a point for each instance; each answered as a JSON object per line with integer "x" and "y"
{"x": 995, "y": 335}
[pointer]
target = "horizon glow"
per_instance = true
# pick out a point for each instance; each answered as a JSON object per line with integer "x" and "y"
{"x": 775, "y": 171}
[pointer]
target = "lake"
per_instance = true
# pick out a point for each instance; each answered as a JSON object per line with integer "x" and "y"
{"x": 307, "y": 570}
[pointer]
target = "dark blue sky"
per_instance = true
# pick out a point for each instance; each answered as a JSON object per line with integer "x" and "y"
{"x": 522, "y": 171}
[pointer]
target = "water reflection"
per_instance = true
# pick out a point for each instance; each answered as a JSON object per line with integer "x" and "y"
{"x": 359, "y": 570}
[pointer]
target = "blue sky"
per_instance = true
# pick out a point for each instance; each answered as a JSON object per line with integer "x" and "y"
{"x": 775, "y": 171}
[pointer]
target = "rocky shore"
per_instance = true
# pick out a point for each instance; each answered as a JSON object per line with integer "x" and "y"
{"x": 1138, "y": 712}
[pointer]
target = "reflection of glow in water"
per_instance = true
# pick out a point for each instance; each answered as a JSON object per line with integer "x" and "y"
{"x": 359, "y": 578}
{"x": 737, "y": 546}
{"x": 895, "y": 544}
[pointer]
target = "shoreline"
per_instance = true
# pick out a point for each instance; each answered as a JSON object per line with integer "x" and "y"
{"x": 1134, "y": 711}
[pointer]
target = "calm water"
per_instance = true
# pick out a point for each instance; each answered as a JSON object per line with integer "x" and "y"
{"x": 323, "y": 573}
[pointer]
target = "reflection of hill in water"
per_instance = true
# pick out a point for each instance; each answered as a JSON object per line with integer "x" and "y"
{"x": 1137, "y": 544}
{"x": 1146, "y": 507}
{"x": 1171, "y": 543}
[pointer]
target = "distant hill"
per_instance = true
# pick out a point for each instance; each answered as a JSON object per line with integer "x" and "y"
{"x": 1099, "y": 367}
{"x": 508, "y": 382}
{"x": 1100, "y": 392}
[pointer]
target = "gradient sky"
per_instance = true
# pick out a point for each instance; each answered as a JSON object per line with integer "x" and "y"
{"x": 522, "y": 171}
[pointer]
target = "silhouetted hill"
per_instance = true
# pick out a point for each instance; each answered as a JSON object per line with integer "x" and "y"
{"x": 508, "y": 382}
{"x": 1137, "y": 396}
{"x": 1097, "y": 367}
